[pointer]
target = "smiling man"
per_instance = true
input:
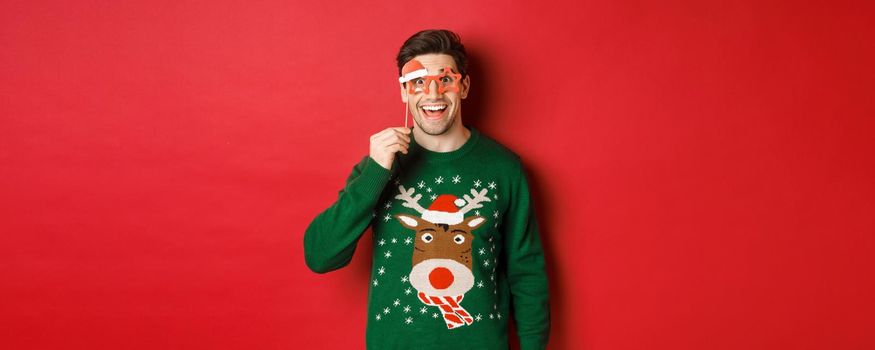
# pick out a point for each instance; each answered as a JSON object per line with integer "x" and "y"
{"x": 456, "y": 243}
{"x": 438, "y": 107}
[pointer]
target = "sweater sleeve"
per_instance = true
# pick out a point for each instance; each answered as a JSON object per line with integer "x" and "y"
{"x": 331, "y": 238}
{"x": 526, "y": 273}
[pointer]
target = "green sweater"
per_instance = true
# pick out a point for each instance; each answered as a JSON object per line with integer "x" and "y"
{"x": 456, "y": 248}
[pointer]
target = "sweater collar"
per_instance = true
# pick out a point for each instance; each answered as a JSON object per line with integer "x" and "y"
{"x": 432, "y": 156}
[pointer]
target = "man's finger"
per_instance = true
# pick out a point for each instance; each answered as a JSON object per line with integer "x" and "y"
{"x": 389, "y": 136}
{"x": 379, "y": 134}
{"x": 390, "y": 143}
{"x": 401, "y": 129}
{"x": 403, "y": 136}
{"x": 393, "y": 135}
{"x": 396, "y": 148}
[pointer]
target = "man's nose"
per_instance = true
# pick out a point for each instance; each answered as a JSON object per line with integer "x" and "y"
{"x": 432, "y": 89}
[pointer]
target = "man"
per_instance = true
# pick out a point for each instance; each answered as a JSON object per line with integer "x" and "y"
{"x": 456, "y": 244}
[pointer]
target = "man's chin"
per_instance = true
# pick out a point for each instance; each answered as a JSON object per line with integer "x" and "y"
{"x": 435, "y": 127}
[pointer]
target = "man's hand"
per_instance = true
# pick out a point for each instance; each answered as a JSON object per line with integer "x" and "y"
{"x": 385, "y": 143}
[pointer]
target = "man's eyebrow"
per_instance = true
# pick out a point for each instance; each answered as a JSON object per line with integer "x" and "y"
{"x": 441, "y": 70}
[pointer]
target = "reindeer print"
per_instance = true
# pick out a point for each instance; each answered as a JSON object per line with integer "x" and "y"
{"x": 442, "y": 257}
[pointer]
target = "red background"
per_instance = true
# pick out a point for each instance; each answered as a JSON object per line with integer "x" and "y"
{"x": 702, "y": 170}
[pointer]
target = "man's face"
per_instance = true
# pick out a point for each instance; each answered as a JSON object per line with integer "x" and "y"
{"x": 434, "y": 112}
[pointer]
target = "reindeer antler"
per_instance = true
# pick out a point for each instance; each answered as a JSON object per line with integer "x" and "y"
{"x": 409, "y": 200}
{"x": 474, "y": 203}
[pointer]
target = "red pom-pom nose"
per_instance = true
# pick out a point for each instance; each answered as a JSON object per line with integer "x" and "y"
{"x": 440, "y": 278}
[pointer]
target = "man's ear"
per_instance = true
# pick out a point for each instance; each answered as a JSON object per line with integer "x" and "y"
{"x": 466, "y": 84}
{"x": 403, "y": 93}
{"x": 409, "y": 221}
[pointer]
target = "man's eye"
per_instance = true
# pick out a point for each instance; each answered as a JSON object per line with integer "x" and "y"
{"x": 447, "y": 80}
{"x": 419, "y": 81}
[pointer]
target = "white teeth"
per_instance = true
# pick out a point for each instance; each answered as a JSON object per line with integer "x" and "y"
{"x": 434, "y": 108}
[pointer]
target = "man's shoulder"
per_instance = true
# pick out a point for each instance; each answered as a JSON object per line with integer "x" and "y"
{"x": 498, "y": 153}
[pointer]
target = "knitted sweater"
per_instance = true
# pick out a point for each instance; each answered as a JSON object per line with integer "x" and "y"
{"x": 455, "y": 248}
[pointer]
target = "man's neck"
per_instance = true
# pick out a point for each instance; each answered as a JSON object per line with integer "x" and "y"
{"x": 449, "y": 141}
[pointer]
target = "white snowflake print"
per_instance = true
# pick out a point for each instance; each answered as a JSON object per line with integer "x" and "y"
{"x": 428, "y": 190}
{"x": 376, "y": 283}
{"x": 378, "y": 317}
{"x": 485, "y": 263}
{"x": 403, "y": 279}
{"x": 381, "y": 270}
{"x": 495, "y": 214}
{"x": 434, "y": 315}
{"x": 423, "y": 310}
{"x": 397, "y": 181}
{"x": 432, "y": 197}
{"x": 439, "y": 180}
{"x": 388, "y": 254}
{"x": 491, "y": 185}
{"x": 386, "y": 310}
{"x": 396, "y": 302}
{"x": 480, "y": 284}
{"x": 408, "y": 320}
{"x": 481, "y": 251}
{"x": 406, "y": 308}
{"x": 495, "y": 196}
{"x": 374, "y": 214}
{"x": 478, "y": 317}
{"x": 477, "y": 183}
{"x": 498, "y": 315}
{"x": 394, "y": 240}
{"x": 408, "y": 291}
{"x": 408, "y": 240}
{"x": 388, "y": 205}
{"x": 496, "y": 225}
{"x": 387, "y": 218}
{"x": 477, "y": 212}
{"x": 456, "y": 179}
{"x": 495, "y": 306}
{"x": 382, "y": 242}
{"x": 421, "y": 184}
{"x": 491, "y": 317}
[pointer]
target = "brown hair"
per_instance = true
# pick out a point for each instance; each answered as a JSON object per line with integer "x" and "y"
{"x": 439, "y": 41}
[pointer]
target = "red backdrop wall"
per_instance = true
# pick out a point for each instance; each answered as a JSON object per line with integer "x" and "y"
{"x": 702, "y": 170}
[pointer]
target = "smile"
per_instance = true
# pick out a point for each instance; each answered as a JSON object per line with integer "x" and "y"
{"x": 434, "y": 111}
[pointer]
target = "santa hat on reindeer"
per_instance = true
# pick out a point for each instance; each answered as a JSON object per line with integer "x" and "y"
{"x": 445, "y": 210}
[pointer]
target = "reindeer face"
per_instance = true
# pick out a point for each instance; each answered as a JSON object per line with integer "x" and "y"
{"x": 442, "y": 255}
{"x": 442, "y": 240}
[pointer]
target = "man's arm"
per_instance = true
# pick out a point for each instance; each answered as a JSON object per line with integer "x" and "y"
{"x": 525, "y": 269}
{"x": 331, "y": 238}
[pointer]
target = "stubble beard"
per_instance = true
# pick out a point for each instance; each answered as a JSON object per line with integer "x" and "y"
{"x": 433, "y": 129}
